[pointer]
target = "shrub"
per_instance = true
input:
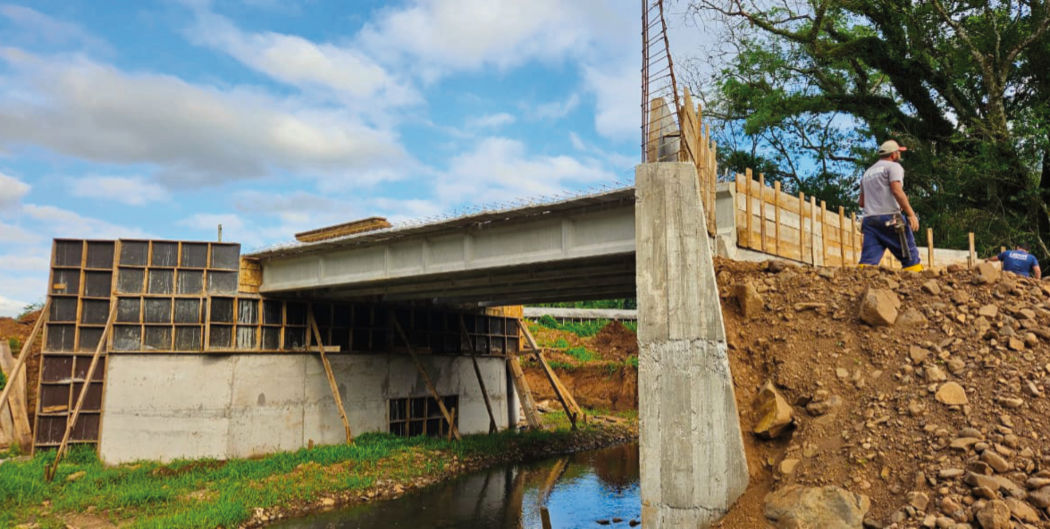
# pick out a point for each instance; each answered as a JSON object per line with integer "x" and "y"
{"x": 561, "y": 343}
{"x": 581, "y": 353}
{"x": 632, "y": 361}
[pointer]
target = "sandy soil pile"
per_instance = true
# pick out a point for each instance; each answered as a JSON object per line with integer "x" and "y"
{"x": 878, "y": 409}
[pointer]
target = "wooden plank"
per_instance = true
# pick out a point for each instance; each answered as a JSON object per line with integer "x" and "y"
{"x": 747, "y": 205}
{"x": 477, "y": 372}
{"x": 973, "y": 254}
{"x": 854, "y": 258}
{"x": 739, "y": 209}
{"x": 929, "y": 246}
{"x": 801, "y": 228}
{"x": 565, "y": 391}
{"x": 762, "y": 210}
{"x": 329, "y": 374}
{"x": 14, "y": 419}
{"x": 776, "y": 219}
{"x": 342, "y": 230}
{"x": 71, "y": 421}
{"x": 824, "y": 233}
{"x": 842, "y": 236}
{"x": 813, "y": 231}
{"x": 528, "y": 405}
{"x": 23, "y": 354}
{"x": 426, "y": 379}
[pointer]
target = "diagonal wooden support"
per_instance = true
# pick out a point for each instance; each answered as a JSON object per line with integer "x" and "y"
{"x": 477, "y": 371}
{"x": 532, "y": 417}
{"x": 23, "y": 355}
{"x": 547, "y": 368}
{"x": 426, "y": 380}
{"x": 552, "y": 378}
{"x": 328, "y": 373}
{"x": 14, "y": 420}
{"x": 71, "y": 421}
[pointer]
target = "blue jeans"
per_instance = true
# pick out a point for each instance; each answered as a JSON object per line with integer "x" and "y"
{"x": 878, "y": 237}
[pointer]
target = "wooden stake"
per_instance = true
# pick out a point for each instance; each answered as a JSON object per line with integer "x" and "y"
{"x": 853, "y": 238}
{"x": 329, "y": 374}
{"x": 477, "y": 371}
{"x": 762, "y": 210}
{"x": 776, "y": 218}
{"x": 21, "y": 433}
{"x": 813, "y": 231}
{"x": 929, "y": 245}
{"x": 842, "y": 237}
{"x": 532, "y": 416}
{"x": 747, "y": 198}
{"x": 426, "y": 379}
{"x": 973, "y": 253}
{"x": 23, "y": 355}
{"x": 801, "y": 227}
{"x": 71, "y": 421}
{"x": 561, "y": 386}
{"x": 823, "y": 232}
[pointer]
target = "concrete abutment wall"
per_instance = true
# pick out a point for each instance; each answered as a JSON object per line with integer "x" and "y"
{"x": 172, "y": 406}
{"x": 693, "y": 465}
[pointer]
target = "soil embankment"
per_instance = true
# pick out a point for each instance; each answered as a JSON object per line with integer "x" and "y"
{"x": 16, "y": 331}
{"x": 871, "y": 409}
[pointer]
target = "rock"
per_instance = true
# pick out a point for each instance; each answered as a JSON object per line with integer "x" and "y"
{"x": 774, "y": 413}
{"x": 935, "y": 374}
{"x": 952, "y": 394}
{"x": 919, "y": 500}
{"x": 1011, "y": 402}
{"x": 1031, "y": 340}
{"x": 988, "y": 311}
{"x": 963, "y": 443}
{"x": 1015, "y": 343}
{"x": 994, "y": 515}
{"x": 996, "y": 461}
{"x": 932, "y": 287}
{"x": 911, "y": 318}
{"x": 1022, "y": 511}
{"x": 956, "y": 365}
{"x": 787, "y": 466}
{"x": 328, "y": 502}
{"x": 750, "y": 301}
{"x": 1040, "y": 498}
{"x": 879, "y": 306}
{"x": 799, "y": 507}
{"x": 987, "y": 272}
{"x": 917, "y": 354}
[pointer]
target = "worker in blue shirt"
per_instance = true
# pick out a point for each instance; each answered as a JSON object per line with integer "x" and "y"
{"x": 1020, "y": 262}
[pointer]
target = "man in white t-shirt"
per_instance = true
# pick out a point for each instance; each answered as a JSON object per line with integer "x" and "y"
{"x": 883, "y": 201}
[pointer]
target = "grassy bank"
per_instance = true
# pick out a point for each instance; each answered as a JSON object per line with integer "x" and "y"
{"x": 209, "y": 493}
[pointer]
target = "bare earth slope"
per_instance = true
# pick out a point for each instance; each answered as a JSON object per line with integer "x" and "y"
{"x": 864, "y": 397}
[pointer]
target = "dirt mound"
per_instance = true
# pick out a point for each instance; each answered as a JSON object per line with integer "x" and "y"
{"x": 869, "y": 402}
{"x": 595, "y": 386}
{"x": 616, "y": 342}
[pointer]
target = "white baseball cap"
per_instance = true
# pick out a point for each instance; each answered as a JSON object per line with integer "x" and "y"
{"x": 890, "y": 147}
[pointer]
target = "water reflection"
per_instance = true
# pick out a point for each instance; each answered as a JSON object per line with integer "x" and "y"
{"x": 596, "y": 485}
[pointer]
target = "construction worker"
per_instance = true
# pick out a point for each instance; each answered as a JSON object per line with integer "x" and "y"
{"x": 1020, "y": 262}
{"x": 882, "y": 201}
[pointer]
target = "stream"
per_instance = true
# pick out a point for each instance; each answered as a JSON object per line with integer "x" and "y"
{"x": 588, "y": 488}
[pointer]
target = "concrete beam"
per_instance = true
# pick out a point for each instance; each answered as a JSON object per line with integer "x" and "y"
{"x": 693, "y": 465}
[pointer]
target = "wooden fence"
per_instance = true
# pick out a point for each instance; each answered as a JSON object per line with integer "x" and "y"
{"x": 799, "y": 228}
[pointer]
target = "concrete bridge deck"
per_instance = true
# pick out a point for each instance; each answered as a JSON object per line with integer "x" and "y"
{"x": 576, "y": 249}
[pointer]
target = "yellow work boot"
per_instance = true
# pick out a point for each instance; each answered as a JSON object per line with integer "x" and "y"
{"x": 917, "y": 267}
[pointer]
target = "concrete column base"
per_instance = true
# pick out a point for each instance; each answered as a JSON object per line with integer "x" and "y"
{"x": 693, "y": 465}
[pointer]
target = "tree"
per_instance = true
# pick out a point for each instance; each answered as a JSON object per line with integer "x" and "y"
{"x": 965, "y": 84}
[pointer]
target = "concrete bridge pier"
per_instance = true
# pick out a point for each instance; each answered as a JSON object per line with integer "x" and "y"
{"x": 693, "y": 465}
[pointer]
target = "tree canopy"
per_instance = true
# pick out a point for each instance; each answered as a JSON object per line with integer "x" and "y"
{"x": 813, "y": 86}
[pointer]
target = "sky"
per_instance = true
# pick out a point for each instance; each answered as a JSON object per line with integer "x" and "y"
{"x": 164, "y": 118}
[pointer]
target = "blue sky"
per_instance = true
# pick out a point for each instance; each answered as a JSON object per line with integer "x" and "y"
{"x": 165, "y": 118}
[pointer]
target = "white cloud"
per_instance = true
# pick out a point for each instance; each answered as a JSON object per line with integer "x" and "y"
{"x": 617, "y": 90}
{"x": 24, "y": 262}
{"x": 490, "y": 121}
{"x": 556, "y": 109}
{"x": 499, "y": 169}
{"x": 194, "y": 134}
{"x": 71, "y": 224}
{"x": 15, "y": 234}
{"x": 133, "y": 191}
{"x": 345, "y": 71}
{"x": 11, "y": 191}
{"x": 35, "y": 26}
{"x": 439, "y": 36}
{"x": 11, "y": 307}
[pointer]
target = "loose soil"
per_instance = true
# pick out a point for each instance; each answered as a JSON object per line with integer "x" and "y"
{"x": 19, "y": 329}
{"x": 874, "y": 425}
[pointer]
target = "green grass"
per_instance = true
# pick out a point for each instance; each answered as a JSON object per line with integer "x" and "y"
{"x": 208, "y": 493}
{"x": 581, "y": 353}
{"x": 15, "y": 343}
{"x": 632, "y": 361}
{"x": 582, "y": 329}
{"x": 561, "y": 343}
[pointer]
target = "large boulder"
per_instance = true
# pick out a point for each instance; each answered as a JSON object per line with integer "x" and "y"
{"x": 987, "y": 272}
{"x": 995, "y": 515}
{"x": 773, "y": 412}
{"x": 750, "y": 301}
{"x": 879, "y": 306}
{"x": 800, "y": 507}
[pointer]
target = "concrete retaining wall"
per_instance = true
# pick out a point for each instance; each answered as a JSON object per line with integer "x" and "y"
{"x": 169, "y": 406}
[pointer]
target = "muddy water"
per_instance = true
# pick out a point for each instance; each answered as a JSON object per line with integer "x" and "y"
{"x": 600, "y": 485}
